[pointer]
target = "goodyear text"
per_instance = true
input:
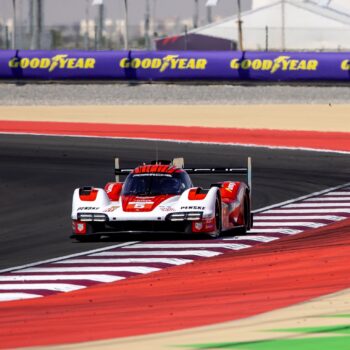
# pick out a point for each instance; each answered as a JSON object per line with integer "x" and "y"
{"x": 58, "y": 61}
{"x": 345, "y": 65}
{"x": 284, "y": 63}
{"x": 162, "y": 64}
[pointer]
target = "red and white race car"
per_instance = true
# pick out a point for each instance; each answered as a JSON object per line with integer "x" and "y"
{"x": 160, "y": 196}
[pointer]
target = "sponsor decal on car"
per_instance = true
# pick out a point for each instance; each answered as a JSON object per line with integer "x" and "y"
{"x": 111, "y": 209}
{"x": 167, "y": 209}
{"x": 140, "y": 205}
{"x": 52, "y": 63}
{"x": 284, "y": 63}
{"x": 192, "y": 207}
{"x": 88, "y": 208}
{"x": 171, "y": 62}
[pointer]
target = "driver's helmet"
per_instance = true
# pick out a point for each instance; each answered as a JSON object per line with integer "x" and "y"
{"x": 170, "y": 185}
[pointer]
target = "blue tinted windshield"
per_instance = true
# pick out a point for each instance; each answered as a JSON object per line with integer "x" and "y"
{"x": 150, "y": 184}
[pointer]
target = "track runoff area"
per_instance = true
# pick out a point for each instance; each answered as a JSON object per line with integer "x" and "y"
{"x": 122, "y": 261}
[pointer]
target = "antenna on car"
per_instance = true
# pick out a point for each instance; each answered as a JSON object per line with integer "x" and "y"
{"x": 179, "y": 162}
{"x": 156, "y": 151}
{"x": 116, "y": 166}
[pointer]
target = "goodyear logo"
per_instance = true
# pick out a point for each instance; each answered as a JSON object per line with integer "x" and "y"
{"x": 56, "y": 62}
{"x": 162, "y": 64}
{"x": 345, "y": 65}
{"x": 284, "y": 63}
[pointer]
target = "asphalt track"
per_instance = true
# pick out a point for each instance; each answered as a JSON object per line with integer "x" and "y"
{"x": 38, "y": 175}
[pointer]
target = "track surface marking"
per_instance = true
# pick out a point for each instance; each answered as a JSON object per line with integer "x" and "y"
{"x": 228, "y": 287}
{"x": 135, "y": 258}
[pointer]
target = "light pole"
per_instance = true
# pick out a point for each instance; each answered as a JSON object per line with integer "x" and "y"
{"x": 147, "y": 25}
{"x": 14, "y": 30}
{"x": 126, "y": 44}
{"x": 240, "y": 32}
{"x": 196, "y": 14}
{"x": 209, "y": 14}
{"x": 283, "y": 20}
{"x": 100, "y": 26}
{"x": 86, "y": 34}
{"x": 37, "y": 24}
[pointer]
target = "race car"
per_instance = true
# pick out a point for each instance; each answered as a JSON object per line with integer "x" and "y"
{"x": 160, "y": 196}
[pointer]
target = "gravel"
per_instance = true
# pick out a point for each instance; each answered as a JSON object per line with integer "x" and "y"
{"x": 124, "y": 94}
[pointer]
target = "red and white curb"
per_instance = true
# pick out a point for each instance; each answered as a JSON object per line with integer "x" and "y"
{"x": 129, "y": 259}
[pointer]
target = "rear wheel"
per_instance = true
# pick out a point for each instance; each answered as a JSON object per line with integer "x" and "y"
{"x": 247, "y": 216}
{"x": 218, "y": 222}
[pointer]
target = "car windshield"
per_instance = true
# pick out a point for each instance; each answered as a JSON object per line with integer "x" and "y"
{"x": 152, "y": 184}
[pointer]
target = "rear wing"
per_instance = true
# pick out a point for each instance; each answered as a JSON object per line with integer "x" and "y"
{"x": 213, "y": 171}
{"x": 179, "y": 162}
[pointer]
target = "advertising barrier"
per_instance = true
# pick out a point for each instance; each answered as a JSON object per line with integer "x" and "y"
{"x": 174, "y": 66}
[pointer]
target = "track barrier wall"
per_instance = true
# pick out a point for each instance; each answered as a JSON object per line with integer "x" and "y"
{"x": 174, "y": 66}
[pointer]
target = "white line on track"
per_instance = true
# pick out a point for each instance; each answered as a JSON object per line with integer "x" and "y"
{"x": 263, "y": 239}
{"x": 339, "y": 193}
{"x": 96, "y": 278}
{"x": 317, "y": 205}
{"x": 318, "y": 193}
{"x": 288, "y": 224}
{"x": 282, "y": 230}
{"x": 170, "y": 261}
{"x": 134, "y": 269}
{"x": 307, "y": 211}
{"x": 203, "y": 253}
{"x": 17, "y": 296}
{"x": 57, "y": 287}
{"x": 68, "y": 256}
{"x": 250, "y": 145}
{"x": 328, "y": 199}
{"x": 298, "y": 217}
{"x": 189, "y": 245}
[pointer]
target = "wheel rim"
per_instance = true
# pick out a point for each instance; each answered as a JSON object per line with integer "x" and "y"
{"x": 217, "y": 217}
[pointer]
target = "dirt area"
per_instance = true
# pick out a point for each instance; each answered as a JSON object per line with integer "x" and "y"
{"x": 279, "y": 117}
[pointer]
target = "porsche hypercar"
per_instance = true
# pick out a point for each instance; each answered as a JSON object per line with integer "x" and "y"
{"x": 160, "y": 196}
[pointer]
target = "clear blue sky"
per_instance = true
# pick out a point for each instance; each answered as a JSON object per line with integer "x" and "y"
{"x": 69, "y": 11}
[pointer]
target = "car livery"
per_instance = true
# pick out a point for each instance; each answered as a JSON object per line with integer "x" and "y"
{"x": 160, "y": 196}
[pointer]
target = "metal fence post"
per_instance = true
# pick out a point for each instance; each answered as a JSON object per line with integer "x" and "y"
{"x": 7, "y": 38}
{"x": 14, "y": 28}
{"x": 240, "y": 32}
{"x": 196, "y": 14}
{"x": 283, "y": 29}
{"x": 86, "y": 34}
{"x": 95, "y": 37}
{"x": 126, "y": 43}
{"x": 147, "y": 25}
{"x": 266, "y": 38}
{"x": 100, "y": 26}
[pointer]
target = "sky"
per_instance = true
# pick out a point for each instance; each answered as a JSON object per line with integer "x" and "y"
{"x": 70, "y": 11}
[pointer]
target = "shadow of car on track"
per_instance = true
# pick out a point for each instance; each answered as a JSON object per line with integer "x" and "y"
{"x": 156, "y": 236}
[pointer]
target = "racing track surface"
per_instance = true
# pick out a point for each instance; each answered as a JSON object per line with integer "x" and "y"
{"x": 39, "y": 173}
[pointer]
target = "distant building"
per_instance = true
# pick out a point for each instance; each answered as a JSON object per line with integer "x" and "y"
{"x": 288, "y": 25}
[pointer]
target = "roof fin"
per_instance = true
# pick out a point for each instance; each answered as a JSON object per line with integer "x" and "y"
{"x": 179, "y": 162}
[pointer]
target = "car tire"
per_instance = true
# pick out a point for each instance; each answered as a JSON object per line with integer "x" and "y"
{"x": 218, "y": 221}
